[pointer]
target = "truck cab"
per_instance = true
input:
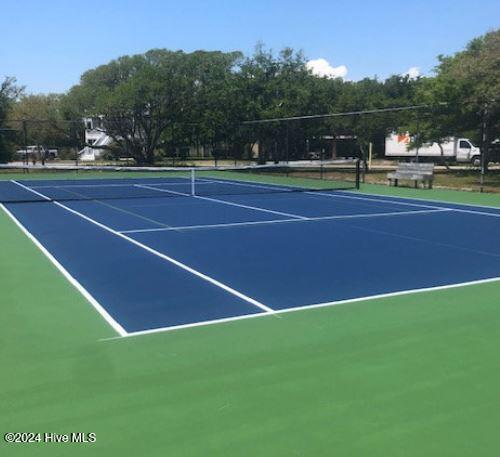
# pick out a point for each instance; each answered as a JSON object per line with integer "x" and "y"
{"x": 467, "y": 152}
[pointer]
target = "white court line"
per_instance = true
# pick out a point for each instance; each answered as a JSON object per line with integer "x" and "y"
{"x": 263, "y": 185}
{"x": 181, "y": 265}
{"x": 254, "y": 208}
{"x": 382, "y": 200}
{"x": 194, "y": 324}
{"x": 257, "y": 208}
{"x": 30, "y": 190}
{"x": 171, "y": 260}
{"x": 301, "y": 308}
{"x": 229, "y": 224}
{"x": 165, "y": 191}
{"x": 98, "y": 201}
{"x": 471, "y": 205}
{"x": 107, "y": 317}
{"x": 373, "y": 199}
{"x": 277, "y": 186}
{"x": 307, "y": 307}
{"x": 256, "y": 184}
{"x": 70, "y": 186}
{"x": 131, "y": 184}
{"x": 281, "y": 221}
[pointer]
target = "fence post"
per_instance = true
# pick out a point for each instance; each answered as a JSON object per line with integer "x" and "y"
{"x": 25, "y": 141}
{"x": 484, "y": 147}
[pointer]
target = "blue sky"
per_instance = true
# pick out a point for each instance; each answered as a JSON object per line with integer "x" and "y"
{"x": 48, "y": 44}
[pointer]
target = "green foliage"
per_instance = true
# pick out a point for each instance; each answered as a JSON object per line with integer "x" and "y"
{"x": 9, "y": 92}
{"x": 371, "y": 94}
{"x": 283, "y": 87}
{"x": 210, "y": 115}
{"x": 146, "y": 100}
{"x": 465, "y": 84}
{"x": 44, "y": 121}
{"x": 273, "y": 86}
{"x": 157, "y": 103}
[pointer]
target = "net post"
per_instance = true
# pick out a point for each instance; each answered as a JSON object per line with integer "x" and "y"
{"x": 322, "y": 159}
{"x": 193, "y": 179}
{"x": 358, "y": 173}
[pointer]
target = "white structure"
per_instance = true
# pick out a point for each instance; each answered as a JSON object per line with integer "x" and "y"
{"x": 454, "y": 149}
{"x": 94, "y": 136}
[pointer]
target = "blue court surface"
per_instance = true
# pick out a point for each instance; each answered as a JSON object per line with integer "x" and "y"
{"x": 152, "y": 263}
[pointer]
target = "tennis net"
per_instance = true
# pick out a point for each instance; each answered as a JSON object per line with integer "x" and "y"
{"x": 20, "y": 184}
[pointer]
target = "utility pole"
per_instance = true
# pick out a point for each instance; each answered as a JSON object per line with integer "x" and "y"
{"x": 25, "y": 141}
{"x": 484, "y": 146}
{"x": 80, "y": 135}
{"x": 418, "y": 137}
{"x": 287, "y": 143}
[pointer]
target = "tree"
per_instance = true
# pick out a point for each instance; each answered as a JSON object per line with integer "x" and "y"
{"x": 9, "y": 93}
{"x": 366, "y": 94}
{"x": 154, "y": 103}
{"x": 464, "y": 85}
{"x": 274, "y": 87}
{"x": 43, "y": 119}
{"x": 211, "y": 113}
{"x": 143, "y": 100}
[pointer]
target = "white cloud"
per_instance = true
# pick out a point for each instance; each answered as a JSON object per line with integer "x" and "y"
{"x": 321, "y": 67}
{"x": 413, "y": 72}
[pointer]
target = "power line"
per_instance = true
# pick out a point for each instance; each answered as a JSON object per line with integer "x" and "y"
{"x": 269, "y": 120}
{"x": 361, "y": 112}
{"x": 48, "y": 121}
{"x": 344, "y": 114}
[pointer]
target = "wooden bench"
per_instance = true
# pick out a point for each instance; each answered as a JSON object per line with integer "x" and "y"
{"x": 413, "y": 172}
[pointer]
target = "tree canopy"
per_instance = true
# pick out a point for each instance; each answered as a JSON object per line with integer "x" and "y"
{"x": 45, "y": 122}
{"x": 143, "y": 99}
{"x": 465, "y": 86}
{"x": 9, "y": 93}
{"x": 153, "y": 103}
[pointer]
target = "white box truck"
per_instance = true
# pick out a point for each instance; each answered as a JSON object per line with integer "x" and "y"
{"x": 454, "y": 149}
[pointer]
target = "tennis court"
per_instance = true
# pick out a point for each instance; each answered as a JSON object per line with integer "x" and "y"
{"x": 237, "y": 249}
